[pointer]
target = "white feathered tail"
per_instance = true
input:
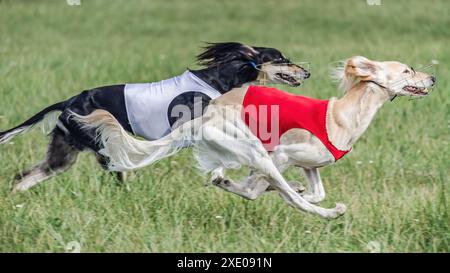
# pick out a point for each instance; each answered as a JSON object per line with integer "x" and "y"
{"x": 126, "y": 152}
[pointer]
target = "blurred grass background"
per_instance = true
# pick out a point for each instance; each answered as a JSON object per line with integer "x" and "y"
{"x": 395, "y": 182}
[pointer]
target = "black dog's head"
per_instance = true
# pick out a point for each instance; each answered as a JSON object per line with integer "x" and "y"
{"x": 260, "y": 62}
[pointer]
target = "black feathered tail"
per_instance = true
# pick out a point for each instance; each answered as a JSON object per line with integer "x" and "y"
{"x": 7, "y": 135}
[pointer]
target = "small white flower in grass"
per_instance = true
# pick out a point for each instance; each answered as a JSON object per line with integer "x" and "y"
{"x": 75, "y": 193}
{"x": 19, "y": 206}
{"x": 308, "y": 231}
{"x": 374, "y": 247}
{"x": 73, "y": 247}
{"x": 359, "y": 162}
{"x": 219, "y": 217}
{"x": 73, "y": 2}
{"x": 370, "y": 161}
{"x": 373, "y": 2}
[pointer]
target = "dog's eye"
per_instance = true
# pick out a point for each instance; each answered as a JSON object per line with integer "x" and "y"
{"x": 277, "y": 61}
{"x": 281, "y": 61}
{"x": 406, "y": 71}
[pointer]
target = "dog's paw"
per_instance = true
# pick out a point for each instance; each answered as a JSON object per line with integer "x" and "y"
{"x": 19, "y": 188}
{"x": 335, "y": 212}
{"x": 220, "y": 182}
{"x": 340, "y": 209}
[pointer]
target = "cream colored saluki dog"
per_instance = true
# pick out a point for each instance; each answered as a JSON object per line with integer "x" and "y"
{"x": 222, "y": 140}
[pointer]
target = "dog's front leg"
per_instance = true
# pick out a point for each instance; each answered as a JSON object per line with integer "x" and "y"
{"x": 266, "y": 166}
{"x": 316, "y": 192}
{"x": 308, "y": 154}
{"x": 282, "y": 162}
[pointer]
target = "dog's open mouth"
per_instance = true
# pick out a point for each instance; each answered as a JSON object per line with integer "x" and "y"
{"x": 415, "y": 90}
{"x": 289, "y": 79}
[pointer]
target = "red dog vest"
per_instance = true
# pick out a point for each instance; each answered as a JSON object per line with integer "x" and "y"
{"x": 270, "y": 113}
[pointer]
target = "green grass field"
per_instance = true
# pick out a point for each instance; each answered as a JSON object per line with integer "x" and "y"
{"x": 395, "y": 182}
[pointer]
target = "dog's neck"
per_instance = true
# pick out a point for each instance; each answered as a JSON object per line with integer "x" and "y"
{"x": 227, "y": 77}
{"x": 349, "y": 116}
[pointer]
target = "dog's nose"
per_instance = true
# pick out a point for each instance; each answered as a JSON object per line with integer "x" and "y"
{"x": 307, "y": 74}
{"x": 433, "y": 79}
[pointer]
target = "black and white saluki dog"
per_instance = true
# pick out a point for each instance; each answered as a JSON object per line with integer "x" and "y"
{"x": 303, "y": 132}
{"x": 149, "y": 110}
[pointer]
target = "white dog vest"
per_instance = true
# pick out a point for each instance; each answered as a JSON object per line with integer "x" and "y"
{"x": 149, "y": 105}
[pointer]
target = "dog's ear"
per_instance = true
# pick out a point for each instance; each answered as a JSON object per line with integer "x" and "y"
{"x": 361, "y": 67}
{"x": 220, "y": 53}
{"x": 249, "y": 53}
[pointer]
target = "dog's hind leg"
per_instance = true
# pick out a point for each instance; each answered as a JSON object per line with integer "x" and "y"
{"x": 60, "y": 156}
{"x": 87, "y": 137}
{"x": 103, "y": 161}
{"x": 252, "y": 187}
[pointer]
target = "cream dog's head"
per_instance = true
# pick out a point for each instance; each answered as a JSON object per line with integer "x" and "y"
{"x": 397, "y": 78}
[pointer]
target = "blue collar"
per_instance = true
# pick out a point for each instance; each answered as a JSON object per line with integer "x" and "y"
{"x": 253, "y": 64}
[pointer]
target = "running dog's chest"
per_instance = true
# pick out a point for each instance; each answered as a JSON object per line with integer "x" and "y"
{"x": 153, "y": 108}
